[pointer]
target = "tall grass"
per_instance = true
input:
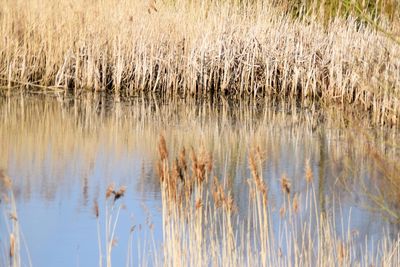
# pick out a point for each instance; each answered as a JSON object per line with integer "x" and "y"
{"x": 112, "y": 212}
{"x": 12, "y": 254}
{"x": 201, "y": 228}
{"x": 329, "y": 9}
{"x": 202, "y": 213}
{"x": 205, "y": 48}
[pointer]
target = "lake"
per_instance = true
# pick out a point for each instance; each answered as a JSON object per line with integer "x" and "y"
{"x": 63, "y": 152}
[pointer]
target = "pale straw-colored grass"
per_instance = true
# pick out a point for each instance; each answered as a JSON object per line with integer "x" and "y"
{"x": 200, "y": 48}
{"x": 201, "y": 226}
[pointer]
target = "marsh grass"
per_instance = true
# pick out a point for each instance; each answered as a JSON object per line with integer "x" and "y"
{"x": 12, "y": 255}
{"x": 289, "y": 222}
{"x": 11, "y": 219}
{"x": 206, "y": 48}
{"x": 111, "y": 216}
{"x": 201, "y": 226}
{"x": 328, "y": 10}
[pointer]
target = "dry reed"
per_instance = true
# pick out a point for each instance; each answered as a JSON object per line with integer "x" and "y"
{"x": 202, "y": 231}
{"x": 201, "y": 48}
{"x": 10, "y": 216}
{"x": 28, "y": 126}
{"x": 111, "y": 216}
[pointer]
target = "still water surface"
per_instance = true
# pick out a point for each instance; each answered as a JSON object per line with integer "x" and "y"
{"x": 63, "y": 153}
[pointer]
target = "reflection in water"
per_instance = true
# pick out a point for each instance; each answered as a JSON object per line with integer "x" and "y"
{"x": 62, "y": 155}
{"x": 321, "y": 171}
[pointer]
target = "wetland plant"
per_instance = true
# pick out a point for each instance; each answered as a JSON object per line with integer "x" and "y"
{"x": 208, "y": 48}
{"x": 201, "y": 225}
{"x": 12, "y": 255}
{"x": 112, "y": 212}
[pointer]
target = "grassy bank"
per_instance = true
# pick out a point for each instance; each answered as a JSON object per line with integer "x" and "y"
{"x": 207, "y": 48}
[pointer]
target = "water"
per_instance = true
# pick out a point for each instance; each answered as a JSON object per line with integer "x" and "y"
{"x": 62, "y": 154}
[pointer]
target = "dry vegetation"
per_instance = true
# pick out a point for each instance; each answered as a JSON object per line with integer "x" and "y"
{"x": 286, "y": 223}
{"x": 10, "y": 255}
{"x": 208, "y": 48}
{"x": 112, "y": 212}
{"x": 200, "y": 225}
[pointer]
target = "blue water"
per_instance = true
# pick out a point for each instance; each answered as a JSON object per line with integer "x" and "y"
{"x": 55, "y": 195}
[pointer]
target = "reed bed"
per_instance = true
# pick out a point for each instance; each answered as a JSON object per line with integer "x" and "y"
{"x": 201, "y": 226}
{"x": 205, "y": 49}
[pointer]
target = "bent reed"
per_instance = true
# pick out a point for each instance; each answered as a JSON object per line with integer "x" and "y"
{"x": 201, "y": 49}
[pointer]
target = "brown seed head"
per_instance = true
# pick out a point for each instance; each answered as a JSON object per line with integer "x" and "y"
{"x": 110, "y": 190}
{"x": 12, "y": 245}
{"x": 264, "y": 191}
{"x": 160, "y": 171}
{"x": 182, "y": 160}
{"x": 341, "y": 251}
{"x": 120, "y": 193}
{"x": 285, "y": 184}
{"x": 199, "y": 204}
{"x": 295, "y": 203}
{"x": 162, "y": 148}
{"x": 253, "y": 168}
{"x": 209, "y": 162}
{"x": 194, "y": 160}
{"x": 282, "y": 211}
{"x": 200, "y": 172}
{"x": 308, "y": 172}
{"x": 96, "y": 209}
{"x": 229, "y": 203}
{"x": 176, "y": 172}
{"x": 151, "y": 6}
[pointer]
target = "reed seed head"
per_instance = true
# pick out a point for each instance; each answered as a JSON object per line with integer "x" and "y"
{"x": 230, "y": 203}
{"x": 308, "y": 172}
{"x": 282, "y": 211}
{"x": 96, "y": 209}
{"x": 12, "y": 245}
{"x": 162, "y": 148}
{"x": 341, "y": 252}
{"x": 296, "y": 203}
{"x": 120, "y": 193}
{"x": 285, "y": 184}
{"x": 199, "y": 204}
{"x": 182, "y": 160}
{"x": 151, "y": 6}
{"x": 109, "y": 191}
{"x": 253, "y": 168}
